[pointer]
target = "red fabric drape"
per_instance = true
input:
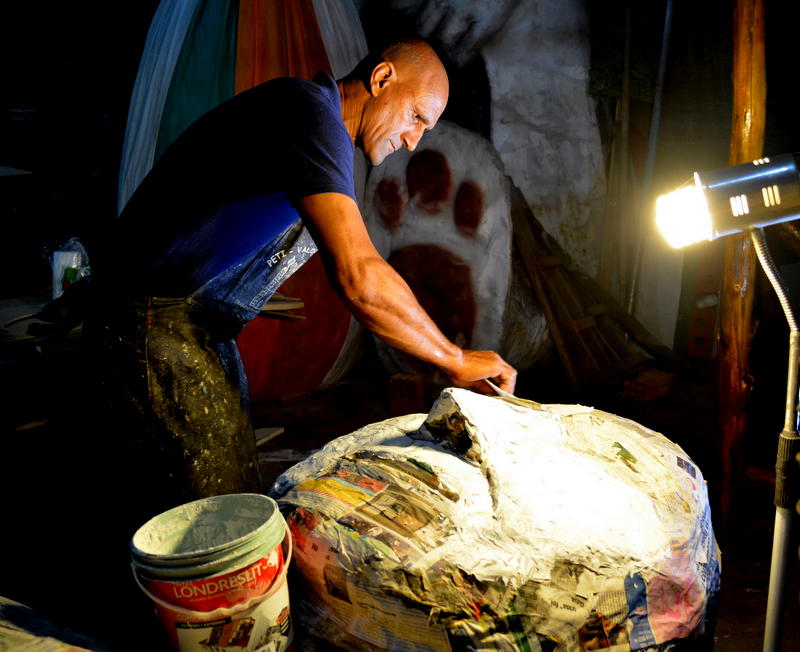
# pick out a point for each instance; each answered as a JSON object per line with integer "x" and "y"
{"x": 277, "y": 38}
{"x": 281, "y": 38}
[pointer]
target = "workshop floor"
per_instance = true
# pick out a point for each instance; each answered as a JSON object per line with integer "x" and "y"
{"x": 52, "y": 557}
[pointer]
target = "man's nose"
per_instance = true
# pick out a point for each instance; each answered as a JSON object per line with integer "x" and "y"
{"x": 412, "y": 137}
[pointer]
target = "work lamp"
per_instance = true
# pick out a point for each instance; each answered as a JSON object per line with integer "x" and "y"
{"x": 731, "y": 200}
{"x": 746, "y": 198}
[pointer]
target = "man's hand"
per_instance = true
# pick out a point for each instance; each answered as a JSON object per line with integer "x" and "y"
{"x": 475, "y": 366}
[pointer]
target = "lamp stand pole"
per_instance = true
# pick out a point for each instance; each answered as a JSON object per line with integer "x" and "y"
{"x": 786, "y": 469}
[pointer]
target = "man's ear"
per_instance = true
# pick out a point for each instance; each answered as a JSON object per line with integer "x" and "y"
{"x": 382, "y": 75}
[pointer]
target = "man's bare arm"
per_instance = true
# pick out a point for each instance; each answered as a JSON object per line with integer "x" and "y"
{"x": 382, "y": 301}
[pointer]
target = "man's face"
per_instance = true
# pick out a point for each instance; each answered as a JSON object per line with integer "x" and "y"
{"x": 399, "y": 115}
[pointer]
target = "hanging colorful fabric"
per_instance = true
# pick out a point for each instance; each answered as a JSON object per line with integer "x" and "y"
{"x": 201, "y": 52}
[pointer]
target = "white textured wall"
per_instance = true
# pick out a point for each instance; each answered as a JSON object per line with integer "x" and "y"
{"x": 543, "y": 121}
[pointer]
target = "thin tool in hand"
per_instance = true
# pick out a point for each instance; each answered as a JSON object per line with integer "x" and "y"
{"x": 497, "y": 390}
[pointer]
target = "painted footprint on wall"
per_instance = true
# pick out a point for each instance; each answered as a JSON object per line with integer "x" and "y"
{"x": 441, "y": 216}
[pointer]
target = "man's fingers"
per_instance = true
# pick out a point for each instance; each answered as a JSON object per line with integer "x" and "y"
{"x": 507, "y": 382}
{"x": 481, "y": 367}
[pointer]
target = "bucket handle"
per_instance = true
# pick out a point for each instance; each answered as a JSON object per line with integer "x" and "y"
{"x": 222, "y": 612}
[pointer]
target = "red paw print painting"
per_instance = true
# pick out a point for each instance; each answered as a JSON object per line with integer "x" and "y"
{"x": 441, "y": 216}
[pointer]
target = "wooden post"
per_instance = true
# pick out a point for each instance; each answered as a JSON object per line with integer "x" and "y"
{"x": 739, "y": 278}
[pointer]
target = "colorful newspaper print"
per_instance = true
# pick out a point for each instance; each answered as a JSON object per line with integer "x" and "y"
{"x": 375, "y": 532}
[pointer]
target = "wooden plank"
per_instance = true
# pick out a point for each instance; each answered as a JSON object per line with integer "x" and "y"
{"x": 548, "y": 261}
{"x": 588, "y": 329}
{"x": 525, "y": 242}
{"x": 598, "y": 309}
{"x": 583, "y": 323}
{"x": 282, "y": 305}
{"x": 659, "y": 351}
{"x": 263, "y": 435}
{"x": 280, "y": 314}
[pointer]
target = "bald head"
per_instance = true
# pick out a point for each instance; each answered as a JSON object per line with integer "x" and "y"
{"x": 404, "y": 89}
{"x": 412, "y": 52}
{"x": 418, "y": 60}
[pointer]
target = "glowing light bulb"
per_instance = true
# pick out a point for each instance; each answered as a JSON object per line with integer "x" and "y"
{"x": 683, "y": 217}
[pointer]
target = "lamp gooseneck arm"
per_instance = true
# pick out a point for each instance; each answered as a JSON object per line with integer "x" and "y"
{"x": 768, "y": 265}
{"x": 786, "y": 467}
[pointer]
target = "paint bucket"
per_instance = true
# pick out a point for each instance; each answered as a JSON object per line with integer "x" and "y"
{"x": 215, "y": 570}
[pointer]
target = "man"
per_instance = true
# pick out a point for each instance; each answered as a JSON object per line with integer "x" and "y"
{"x": 231, "y": 209}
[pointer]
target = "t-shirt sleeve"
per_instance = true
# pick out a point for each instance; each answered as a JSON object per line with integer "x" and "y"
{"x": 319, "y": 148}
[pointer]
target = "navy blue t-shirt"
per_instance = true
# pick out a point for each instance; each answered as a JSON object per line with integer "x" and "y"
{"x": 226, "y": 188}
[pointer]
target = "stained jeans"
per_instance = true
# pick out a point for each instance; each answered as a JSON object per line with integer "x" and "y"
{"x": 176, "y": 399}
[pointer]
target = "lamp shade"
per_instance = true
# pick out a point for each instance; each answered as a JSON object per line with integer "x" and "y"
{"x": 731, "y": 200}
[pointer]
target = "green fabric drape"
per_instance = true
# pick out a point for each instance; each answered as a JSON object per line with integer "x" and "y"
{"x": 205, "y": 71}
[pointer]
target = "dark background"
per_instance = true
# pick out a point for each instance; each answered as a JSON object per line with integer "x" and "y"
{"x": 68, "y": 70}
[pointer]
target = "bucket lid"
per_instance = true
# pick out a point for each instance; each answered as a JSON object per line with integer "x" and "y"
{"x": 204, "y": 529}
